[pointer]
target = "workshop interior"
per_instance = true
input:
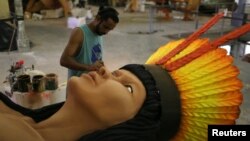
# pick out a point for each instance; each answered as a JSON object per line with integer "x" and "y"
{"x": 31, "y": 42}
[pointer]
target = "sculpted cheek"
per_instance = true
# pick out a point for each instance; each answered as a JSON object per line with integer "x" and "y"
{"x": 71, "y": 85}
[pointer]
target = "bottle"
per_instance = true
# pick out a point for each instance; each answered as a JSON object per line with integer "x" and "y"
{"x": 23, "y": 43}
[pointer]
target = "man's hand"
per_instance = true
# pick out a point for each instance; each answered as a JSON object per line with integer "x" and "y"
{"x": 96, "y": 66}
{"x": 99, "y": 64}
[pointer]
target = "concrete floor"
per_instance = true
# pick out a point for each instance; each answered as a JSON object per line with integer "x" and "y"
{"x": 129, "y": 42}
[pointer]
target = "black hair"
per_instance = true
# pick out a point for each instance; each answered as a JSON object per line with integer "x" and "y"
{"x": 108, "y": 12}
{"x": 145, "y": 125}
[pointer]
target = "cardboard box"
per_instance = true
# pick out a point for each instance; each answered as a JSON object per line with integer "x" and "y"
{"x": 55, "y": 13}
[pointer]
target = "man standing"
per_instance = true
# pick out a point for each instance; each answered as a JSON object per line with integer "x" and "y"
{"x": 83, "y": 52}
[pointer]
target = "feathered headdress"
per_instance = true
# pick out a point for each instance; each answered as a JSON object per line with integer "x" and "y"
{"x": 207, "y": 80}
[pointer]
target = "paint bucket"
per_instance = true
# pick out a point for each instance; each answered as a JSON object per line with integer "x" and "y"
{"x": 23, "y": 82}
{"x": 38, "y": 83}
{"x": 51, "y": 81}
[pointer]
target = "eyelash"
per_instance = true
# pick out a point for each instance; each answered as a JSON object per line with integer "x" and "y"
{"x": 130, "y": 89}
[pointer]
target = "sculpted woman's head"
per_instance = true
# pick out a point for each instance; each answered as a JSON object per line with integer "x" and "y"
{"x": 144, "y": 121}
{"x": 112, "y": 97}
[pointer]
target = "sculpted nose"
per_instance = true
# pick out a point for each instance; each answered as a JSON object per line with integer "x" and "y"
{"x": 101, "y": 71}
{"x": 104, "y": 72}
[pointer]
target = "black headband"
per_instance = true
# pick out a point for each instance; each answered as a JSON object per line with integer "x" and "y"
{"x": 170, "y": 102}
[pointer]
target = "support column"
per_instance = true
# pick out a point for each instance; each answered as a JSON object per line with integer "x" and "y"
{"x": 238, "y": 14}
{"x": 237, "y": 50}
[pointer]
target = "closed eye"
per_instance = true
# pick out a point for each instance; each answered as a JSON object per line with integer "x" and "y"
{"x": 130, "y": 89}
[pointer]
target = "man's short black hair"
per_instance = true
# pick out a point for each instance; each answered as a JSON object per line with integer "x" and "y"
{"x": 108, "y": 12}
